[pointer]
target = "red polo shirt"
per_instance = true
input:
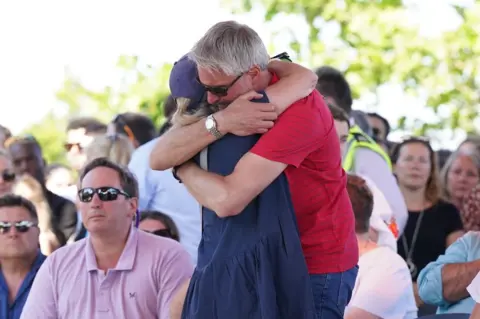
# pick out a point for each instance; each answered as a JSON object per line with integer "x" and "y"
{"x": 304, "y": 137}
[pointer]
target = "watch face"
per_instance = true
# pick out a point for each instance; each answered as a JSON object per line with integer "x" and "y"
{"x": 210, "y": 123}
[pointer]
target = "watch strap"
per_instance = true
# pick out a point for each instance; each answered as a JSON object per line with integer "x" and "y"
{"x": 174, "y": 173}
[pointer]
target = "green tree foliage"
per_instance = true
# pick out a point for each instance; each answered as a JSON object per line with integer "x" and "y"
{"x": 141, "y": 88}
{"x": 379, "y": 44}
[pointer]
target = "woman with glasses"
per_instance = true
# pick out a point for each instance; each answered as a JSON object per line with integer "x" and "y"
{"x": 159, "y": 224}
{"x": 7, "y": 176}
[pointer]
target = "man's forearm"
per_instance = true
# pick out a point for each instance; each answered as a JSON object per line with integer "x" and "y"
{"x": 456, "y": 278}
{"x": 180, "y": 144}
{"x": 209, "y": 189}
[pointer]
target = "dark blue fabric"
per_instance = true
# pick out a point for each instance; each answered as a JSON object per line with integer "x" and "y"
{"x": 332, "y": 292}
{"x": 250, "y": 265}
{"x": 14, "y": 310}
{"x": 448, "y": 316}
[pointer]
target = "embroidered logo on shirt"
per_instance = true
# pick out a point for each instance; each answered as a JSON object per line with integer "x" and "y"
{"x": 132, "y": 294}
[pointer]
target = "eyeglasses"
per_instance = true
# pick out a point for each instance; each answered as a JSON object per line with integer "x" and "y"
{"x": 105, "y": 194}
{"x": 162, "y": 233}
{"x": 21, "y": 226}
{"x": 8, "y": 175}
{"x": 220, "y": 90}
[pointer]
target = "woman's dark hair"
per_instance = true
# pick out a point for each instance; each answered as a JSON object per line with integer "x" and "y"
{"x": 164, "y": 219}
{"x": 432, "y": 189}
{"x": 361, "y": 198}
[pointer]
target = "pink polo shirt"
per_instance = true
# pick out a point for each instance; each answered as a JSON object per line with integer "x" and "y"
{"x": 70, "y": 286}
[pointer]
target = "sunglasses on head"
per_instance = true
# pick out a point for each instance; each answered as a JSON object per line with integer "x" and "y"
{"x": 21, "y": 226}
{"x": 162, "y": 233}
{"x": 219, "y": 90}
{"x": 105, "y": 194}
{"x": 8, "y": 175}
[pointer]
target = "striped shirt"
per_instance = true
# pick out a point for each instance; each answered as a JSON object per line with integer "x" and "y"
{"x": 305, "y": 139}
{"x": 69, "y": 284}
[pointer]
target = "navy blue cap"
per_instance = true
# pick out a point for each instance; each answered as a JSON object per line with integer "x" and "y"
{"x": 184, "y": 83}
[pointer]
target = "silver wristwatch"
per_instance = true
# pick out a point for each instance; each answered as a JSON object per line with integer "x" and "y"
{"x": 211, "y": 126}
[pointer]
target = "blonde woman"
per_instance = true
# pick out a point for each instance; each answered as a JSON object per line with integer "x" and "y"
{"x": 116, "y": 147}
{"x": 49, "y": 239}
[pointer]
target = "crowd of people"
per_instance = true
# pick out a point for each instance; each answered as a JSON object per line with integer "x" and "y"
{"x": 263, "y": 195}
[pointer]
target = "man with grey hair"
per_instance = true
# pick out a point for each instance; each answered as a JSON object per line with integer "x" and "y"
{"x": 231, "y": 61}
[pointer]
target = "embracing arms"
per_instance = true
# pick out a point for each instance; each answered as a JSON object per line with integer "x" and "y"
{"x": 241, "y": 117}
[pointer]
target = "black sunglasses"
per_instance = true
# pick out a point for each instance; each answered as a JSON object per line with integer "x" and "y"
{"x": 8, "y": 175}
{"x": 162, "y": 233}
{"x": 21, "y": 226}
{"x": 105, "y": 194}
{"x": 220, "y": 90}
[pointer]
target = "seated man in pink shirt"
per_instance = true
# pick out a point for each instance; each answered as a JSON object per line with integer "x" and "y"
{"x": 118, "y": 271}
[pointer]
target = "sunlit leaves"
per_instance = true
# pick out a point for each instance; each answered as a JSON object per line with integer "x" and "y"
{"x": 381, "y": 44}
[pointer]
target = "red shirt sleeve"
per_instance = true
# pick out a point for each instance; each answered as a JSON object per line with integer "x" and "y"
{"x": 298, "y": 131}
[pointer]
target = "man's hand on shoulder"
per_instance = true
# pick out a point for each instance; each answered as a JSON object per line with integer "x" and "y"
{"x": 243, "y": 117}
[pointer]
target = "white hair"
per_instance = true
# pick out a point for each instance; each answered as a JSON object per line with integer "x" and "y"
{"x": 231, "y": 48}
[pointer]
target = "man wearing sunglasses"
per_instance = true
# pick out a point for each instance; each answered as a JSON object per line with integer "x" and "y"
{"x": 20, "y": 257}
{"x": 231, "y": 60}
{"x": 118, "y": 271}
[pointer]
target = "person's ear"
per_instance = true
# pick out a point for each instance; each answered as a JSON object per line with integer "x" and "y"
{"x": 133, "y": 202}
{"x": 254, "y": 72}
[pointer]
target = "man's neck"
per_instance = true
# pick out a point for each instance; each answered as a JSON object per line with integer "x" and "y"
{"x": 108, "y": 248}
{"x": 264, "y": 81}
{"x": 365, "y": 244}
{"x": 17, "y": 267}
{"x": 414, "y": 198}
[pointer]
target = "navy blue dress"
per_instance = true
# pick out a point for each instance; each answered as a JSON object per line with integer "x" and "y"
{"x": 250, "y": 266}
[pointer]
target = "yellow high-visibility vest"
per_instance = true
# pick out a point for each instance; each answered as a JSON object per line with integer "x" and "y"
{"x": 357, "y": 138}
